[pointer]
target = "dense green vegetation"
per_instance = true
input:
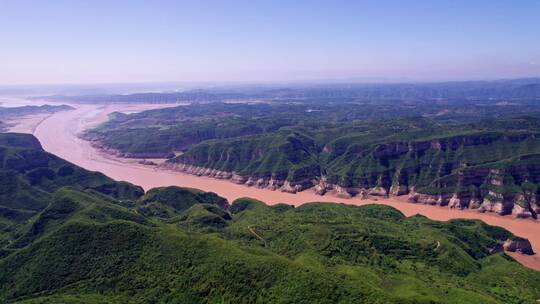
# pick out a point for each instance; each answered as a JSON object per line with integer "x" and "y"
{"x": 29, "y": 177}
{"x": 158, "y": 133}
{"x": 178, "y": 245}
{"x": 465, "y": 159}
{"x": 467, "y": 156}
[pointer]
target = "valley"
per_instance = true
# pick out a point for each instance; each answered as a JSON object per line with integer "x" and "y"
{"x": 270, "y": 152}
{"x": 68, "y": 235}
{"x": 59, "y": 135}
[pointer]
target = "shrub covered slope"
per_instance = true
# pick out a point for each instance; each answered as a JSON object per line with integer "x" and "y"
{"x": 479, "y": 155}
{"x": 74, "y": 241}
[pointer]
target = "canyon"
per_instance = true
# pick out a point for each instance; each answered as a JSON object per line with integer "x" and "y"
{"x": 59, "y": 134}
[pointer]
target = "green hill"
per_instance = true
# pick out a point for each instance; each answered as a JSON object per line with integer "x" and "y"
{"x": 462, "y": 154}
{"x": 29, "y": 177}
{"x": 84, "y": 244}
{"x": 490, "y": 165}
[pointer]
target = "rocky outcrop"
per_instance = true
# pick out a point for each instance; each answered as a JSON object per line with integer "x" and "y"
{"x": 522, "y": 205}
{"x": 378, "y": 191}
{"x": 521, "y": 212}
{"x": 423, "y": 198}
{"x": 238, "y": 179}
{"x": 147, "y": 162}
{"x": 290, "y": 188}
{"x": 322, "y": 186}
{"x": 518, "y": 245}
{"x": 341, "y": 192}
{"x": 397, "y": 190}
{"x": 493, "y": 202}
{"x": 259, "y": 182}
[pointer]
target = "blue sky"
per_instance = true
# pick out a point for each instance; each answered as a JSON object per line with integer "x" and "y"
{"x": 152, "y": 41}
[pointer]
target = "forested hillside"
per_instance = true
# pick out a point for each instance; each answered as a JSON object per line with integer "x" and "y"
{"x": 491, "y": 165}
{"x": 74, "y": 236}
{"x": 482, "y": 155}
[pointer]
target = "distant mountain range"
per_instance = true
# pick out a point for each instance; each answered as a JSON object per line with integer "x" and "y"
{"x": 10, "y": 112}
{"x": 463, "y": 155}
{"x": 13, "y": 113}
{"x": 527, "y": 88}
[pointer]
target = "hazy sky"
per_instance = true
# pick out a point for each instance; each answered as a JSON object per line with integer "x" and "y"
{"x": 77, "y": 41}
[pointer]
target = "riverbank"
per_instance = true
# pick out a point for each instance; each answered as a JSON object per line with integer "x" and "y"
{"x": 59, "y": 135}
{"x": 25, "y": 124}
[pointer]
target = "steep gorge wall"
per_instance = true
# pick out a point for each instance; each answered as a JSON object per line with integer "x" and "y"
{"x": 480, "y": 172}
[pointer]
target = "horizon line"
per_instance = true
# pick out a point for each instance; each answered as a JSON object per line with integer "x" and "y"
{"x": 348, "y": 80}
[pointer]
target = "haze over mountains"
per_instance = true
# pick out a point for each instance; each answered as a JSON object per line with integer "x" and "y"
{"x": 302, "y": 152}
{"x": 527, "y": 88}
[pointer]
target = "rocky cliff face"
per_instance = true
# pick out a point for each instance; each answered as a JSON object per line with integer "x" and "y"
{"x": 518, "y": 245}
{"x": 522, "y": 205}
{"x": 490, "y": 171}
{"x": 251, "y": 181}
{"x": 510, "y": 189}
{"x": 469, "y": 171}
{"x": 100, "y": 145}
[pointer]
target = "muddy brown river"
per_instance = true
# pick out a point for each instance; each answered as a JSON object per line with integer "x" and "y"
{"x": 58, "y": 134}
